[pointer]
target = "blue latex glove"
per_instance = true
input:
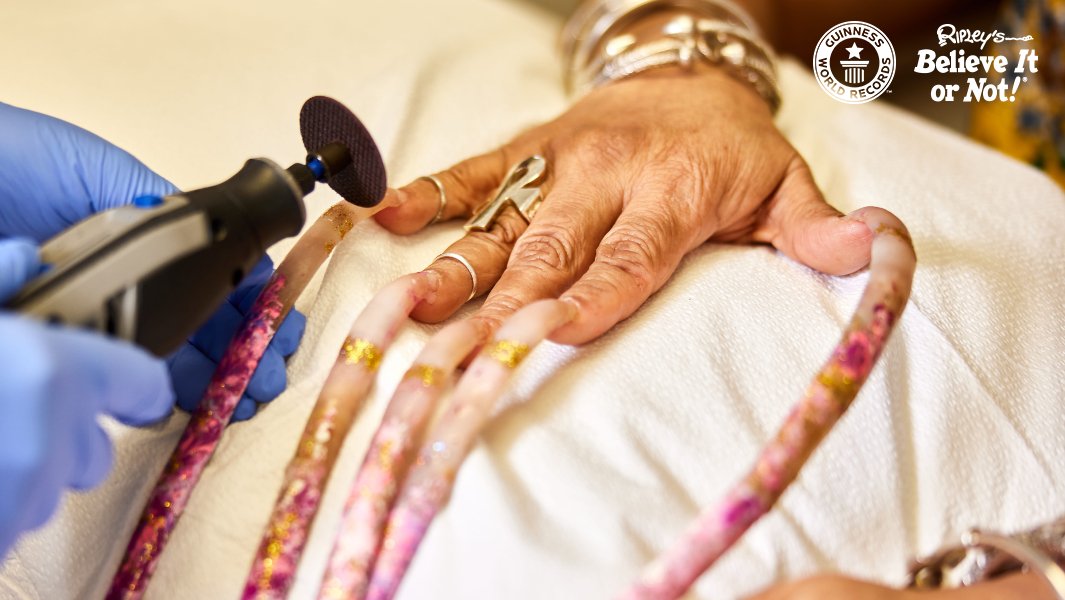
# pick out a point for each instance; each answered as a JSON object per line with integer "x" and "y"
{"x": 55, "y": 382}
{"x": 53, "y": 174}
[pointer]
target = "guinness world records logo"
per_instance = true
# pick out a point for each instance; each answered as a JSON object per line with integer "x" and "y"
{"x": 854, "y": 62}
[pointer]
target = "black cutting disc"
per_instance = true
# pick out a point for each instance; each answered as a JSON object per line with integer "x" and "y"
{"x": 324, "y": 121}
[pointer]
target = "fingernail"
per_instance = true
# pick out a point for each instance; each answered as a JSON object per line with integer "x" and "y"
{"x": 393, "y": 198}
{"x": 434, "y": 280}
{"x": 574, "y": 308}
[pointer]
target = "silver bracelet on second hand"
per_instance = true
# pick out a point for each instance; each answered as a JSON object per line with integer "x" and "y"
{"x": 985, "y": 555}
{"x": 597, "y": 49}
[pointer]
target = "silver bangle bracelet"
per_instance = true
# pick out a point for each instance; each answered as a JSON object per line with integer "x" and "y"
{"x": 984, "y": 555}
{"x": 594, "y": 20}
{"x": 1034, "y": 560}
{"x": 714, "y": 31}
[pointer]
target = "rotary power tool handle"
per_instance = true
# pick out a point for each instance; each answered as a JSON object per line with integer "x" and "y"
{"x": 247, "y": 213}
{"x": 154, "y": 271}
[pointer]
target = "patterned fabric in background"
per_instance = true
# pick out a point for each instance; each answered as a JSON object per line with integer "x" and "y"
{"x": 1031, "y": 129}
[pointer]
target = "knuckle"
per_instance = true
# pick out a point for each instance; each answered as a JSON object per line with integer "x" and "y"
{"x": 487, "y": 324}
{"x": 549, "y": 248}
{"x": 500, "y": 305}
{"x": 496, "y": 309}
{"x": 634, "y": 254}
{"x": 507, "y": 230}
{"x": 600, "y": 147}
{"x": 458, "y": 183}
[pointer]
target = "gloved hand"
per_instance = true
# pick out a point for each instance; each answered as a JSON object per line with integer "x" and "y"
{"x": 53, "y": 174}
{"x": 55, "y": 382}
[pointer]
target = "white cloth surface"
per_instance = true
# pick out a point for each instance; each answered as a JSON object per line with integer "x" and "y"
{"x": 601, "y": 454}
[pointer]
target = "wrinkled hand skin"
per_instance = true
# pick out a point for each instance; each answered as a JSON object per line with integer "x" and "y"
{"x": 837, "y": 587}
{"x": 640, "y": 172}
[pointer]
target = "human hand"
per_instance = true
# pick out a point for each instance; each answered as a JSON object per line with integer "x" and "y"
{"x": 640, "y": 172}
{"x": 836, "y": 587}
{"x": 54, "y": 384}
{"x": 55, "y": 174}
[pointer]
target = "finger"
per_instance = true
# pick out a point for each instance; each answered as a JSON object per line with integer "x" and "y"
{"x": 93, "y": 460}
{"x": 19, "y": 262}
{"x": 190, "y": 373}
{"x": 803, "y": 226}
{"x": 269, "y": 378}
{"x": 466, "y": 185}
{"x": 634, "y": 260}
{"x": 123, "y": 380}
{"x": 288, "y": 336}
{"x": 487, "y": 253}
{"x": 246, "y": 409}
{"x": 555, "y": 250}
{"x": 87, "y": 174}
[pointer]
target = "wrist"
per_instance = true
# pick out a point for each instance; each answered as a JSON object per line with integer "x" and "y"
{"x": 617, "y": 43}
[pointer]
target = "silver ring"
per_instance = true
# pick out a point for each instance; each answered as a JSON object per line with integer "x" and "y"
{"x": 443, "y": 196}
{"x": 462, "y": 261}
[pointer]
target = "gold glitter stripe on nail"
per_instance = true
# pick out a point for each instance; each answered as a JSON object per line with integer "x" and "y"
{"x": 508, "y": 353}
{"x": 359, "y": 350}
{"x": 895, "y": 231}
{"x": 429, "y": 375}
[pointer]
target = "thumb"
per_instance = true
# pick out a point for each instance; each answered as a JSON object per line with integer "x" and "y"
{"x": 803, "y": 226}
{"x": 19, "y": 262}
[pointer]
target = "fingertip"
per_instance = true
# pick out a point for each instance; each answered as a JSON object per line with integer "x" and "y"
{"x": 246, "y": 409}
{"x": 574, "y": 333}
{"x": 158, "y": 399}
{"x": 288, "y": 336}
{"x": 452, "y": 291}
{"x": 190, "y": 372}
{"x": 269, "y": 378}
{"x": 850, "y": 245}
{"x": 393, "y": 198}
{"x": 581, "y": 327}
{"x": 19, "y": 262}
{"x": 94, "y": 460}
{"x": 131, "y": 385}
{"x": 399, "y": 220}
{"x": 832, "y": 244}
{"x": 431, "y": 314}
{"x": 406, "y": 213}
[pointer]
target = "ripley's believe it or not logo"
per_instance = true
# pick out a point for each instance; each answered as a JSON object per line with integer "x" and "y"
{"x": 854, "y": 62}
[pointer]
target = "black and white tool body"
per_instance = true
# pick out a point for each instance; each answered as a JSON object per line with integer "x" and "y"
{"x": 154, "y": 271}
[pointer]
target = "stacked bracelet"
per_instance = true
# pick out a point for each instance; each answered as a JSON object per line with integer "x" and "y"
{"x": 984, "y": 555}
{"x": 597, "y": 50}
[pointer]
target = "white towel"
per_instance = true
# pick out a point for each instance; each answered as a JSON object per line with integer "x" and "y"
{"x": 601, "y": 454}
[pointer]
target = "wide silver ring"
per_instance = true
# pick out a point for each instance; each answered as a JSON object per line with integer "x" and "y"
{"x": 462, "y": 261}
{"x": 433, "y": 179}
